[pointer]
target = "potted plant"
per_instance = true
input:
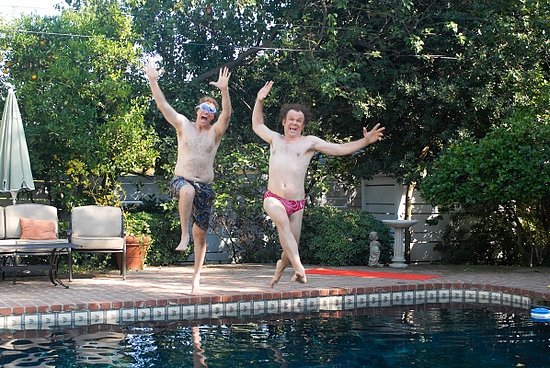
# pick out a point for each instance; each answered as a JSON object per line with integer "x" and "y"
{"x": 138, "y": 239}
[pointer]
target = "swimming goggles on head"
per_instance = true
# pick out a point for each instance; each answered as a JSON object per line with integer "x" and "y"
{"x": 207, "y": 108}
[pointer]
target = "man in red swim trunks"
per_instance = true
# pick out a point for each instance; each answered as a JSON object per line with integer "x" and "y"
{"x": 289, "y": 159}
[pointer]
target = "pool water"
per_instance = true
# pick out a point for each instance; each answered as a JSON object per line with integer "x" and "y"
{"x": 426, "y": 337}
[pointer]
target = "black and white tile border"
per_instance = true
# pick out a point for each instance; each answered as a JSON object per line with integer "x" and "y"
{"x": 46, "y": 321}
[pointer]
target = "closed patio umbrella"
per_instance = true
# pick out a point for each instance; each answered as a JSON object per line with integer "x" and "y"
{"x": 15, "y": 165}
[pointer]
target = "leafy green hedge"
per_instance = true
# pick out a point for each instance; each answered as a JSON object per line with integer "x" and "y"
{"x": 330, "y": 236}
{"x": 499, "y": 185}
{"x": 336, "y": 237}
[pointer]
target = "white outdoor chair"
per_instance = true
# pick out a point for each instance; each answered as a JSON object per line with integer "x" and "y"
{"x": 98, "y": 229}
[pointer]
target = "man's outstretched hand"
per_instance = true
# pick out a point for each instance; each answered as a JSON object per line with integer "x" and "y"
{"x": 374, "y": 135}
{"x": 151, "y": 71}
{"x": 264, "y": 91}
{"x": 223, "y": 78}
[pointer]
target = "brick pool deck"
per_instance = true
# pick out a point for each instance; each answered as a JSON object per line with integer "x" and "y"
{"x": 160, "y": 287}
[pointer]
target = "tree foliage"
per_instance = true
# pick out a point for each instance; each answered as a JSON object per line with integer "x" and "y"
{"x": 505, "y": 175}
{"x": 83, "y": 120}
{"x": 426, "y": 70}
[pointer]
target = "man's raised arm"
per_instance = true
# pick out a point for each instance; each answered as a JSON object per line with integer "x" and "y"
{"x": 225, "y": 115}
{"x": 153, "y": 74}
{"x": 258, "y": 114}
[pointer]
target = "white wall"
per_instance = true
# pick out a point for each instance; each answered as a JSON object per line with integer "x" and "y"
{"x": 137, "y": 188}
{"x": 384, "y": 198}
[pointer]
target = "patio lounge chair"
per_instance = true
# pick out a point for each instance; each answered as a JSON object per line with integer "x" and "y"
{"x": 98, "y": 229}
{"x": 30, "y": 229}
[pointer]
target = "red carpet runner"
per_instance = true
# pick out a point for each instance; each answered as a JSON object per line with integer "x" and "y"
{"x": 369, "y": 274}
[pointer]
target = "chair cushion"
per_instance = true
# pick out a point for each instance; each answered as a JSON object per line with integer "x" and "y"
{"x": 97, "y": 243}
{"x": 30, "y": 241}
{"x": 37, "y": 229}
{"x": 96, "y": 221}
{"x": 44, "y": 251}
{"x": 13, "y": 213}
{"x": 9, "y": 246}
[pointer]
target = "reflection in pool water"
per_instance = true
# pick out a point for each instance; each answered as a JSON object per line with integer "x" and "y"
{"x": 426, "y": 337}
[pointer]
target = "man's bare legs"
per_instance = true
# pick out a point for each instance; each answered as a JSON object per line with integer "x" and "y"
{"x": 185, "y": 206}
{"x": 199, "y": 247}
{"x": 289, "y": 235}
{"x": 282, "y": 264}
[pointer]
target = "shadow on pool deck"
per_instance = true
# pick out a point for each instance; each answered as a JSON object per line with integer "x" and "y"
{"x": 159, "y": 286}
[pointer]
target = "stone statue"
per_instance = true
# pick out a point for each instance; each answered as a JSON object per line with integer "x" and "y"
{"x": 374, "y": 250}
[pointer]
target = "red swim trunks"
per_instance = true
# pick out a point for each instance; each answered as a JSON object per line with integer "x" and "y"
{"x": 291, "y": 206}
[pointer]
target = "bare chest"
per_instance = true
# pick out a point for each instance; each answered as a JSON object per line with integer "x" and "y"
{"x": 292, "y": 151}
{"x": 198, "y": 142}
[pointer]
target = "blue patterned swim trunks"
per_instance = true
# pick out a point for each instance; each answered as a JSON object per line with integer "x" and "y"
{"x": 202, "y": 202}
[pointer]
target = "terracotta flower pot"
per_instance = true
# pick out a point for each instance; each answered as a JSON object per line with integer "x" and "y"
{"x": 136, "y": 251}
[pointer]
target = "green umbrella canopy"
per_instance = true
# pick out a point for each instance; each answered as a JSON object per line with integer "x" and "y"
{"x": 15, "y": 165}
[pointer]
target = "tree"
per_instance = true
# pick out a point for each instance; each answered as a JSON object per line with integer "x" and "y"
{"x": 426, "y": 70}
{"x": 502, "y": 175}
{"x": 84, "y": 121}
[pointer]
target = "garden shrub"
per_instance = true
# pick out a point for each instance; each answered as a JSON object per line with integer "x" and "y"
{"x": 162, "y": 224}
{"x": 249, "y": 234}
{"x": 336, "y": 237}
{"x": 481, "y": 239}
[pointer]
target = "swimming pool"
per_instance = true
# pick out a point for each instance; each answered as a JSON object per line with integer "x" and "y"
{"x": 419, "y": 336}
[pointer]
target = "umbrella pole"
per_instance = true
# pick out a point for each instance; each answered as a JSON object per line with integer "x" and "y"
{"x": 14, "y": 196}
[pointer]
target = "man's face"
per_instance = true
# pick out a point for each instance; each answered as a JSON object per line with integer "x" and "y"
{"x": 206, "y": 112}
{"x": 293, "y": 123}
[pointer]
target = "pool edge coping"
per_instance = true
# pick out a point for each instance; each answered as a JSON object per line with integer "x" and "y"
{"x": 270, "y": 303}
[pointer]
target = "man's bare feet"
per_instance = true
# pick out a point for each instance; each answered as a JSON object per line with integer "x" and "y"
{"x": 298, "y": 277}
{"x": 279, "y": 268}
{"x": 275, "y": 280}
{"x": 196, "y": 288}
{"x": 184, "y": 244}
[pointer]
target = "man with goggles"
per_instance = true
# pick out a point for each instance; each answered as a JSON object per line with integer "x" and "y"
{"x": 206, "y": 107}
{"x": 198, "y": 142}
